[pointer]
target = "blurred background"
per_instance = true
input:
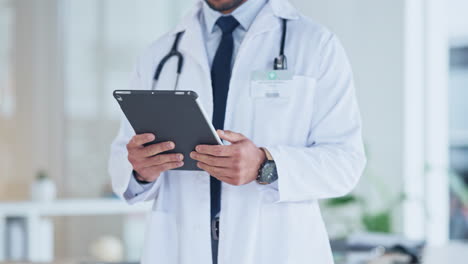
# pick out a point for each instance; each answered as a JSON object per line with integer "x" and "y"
{"x": 60, "y": 60}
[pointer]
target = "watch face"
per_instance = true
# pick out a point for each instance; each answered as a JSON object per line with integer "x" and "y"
{"x": 268, "y": 173}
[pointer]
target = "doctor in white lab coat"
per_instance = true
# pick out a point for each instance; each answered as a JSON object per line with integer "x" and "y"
{"x": 313, "y": 135}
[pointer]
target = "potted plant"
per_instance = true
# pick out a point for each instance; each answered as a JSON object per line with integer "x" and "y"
{"x": 43, "y": 188}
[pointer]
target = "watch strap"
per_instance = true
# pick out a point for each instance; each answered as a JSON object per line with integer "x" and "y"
{"x": 267, "y": 153}
{"x": 269, "y": 159}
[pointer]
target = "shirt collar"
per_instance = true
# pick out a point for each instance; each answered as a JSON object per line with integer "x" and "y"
{"x": 245, "y": 14}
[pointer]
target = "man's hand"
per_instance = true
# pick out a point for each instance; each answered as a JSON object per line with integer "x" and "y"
{"x": 147, "y": 161}
{"x": 236, "y": 164}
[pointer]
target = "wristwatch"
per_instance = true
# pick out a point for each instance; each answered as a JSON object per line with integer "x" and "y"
{"x": 267, "y": 173}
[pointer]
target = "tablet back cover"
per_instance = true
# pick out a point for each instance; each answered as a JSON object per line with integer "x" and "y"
{"x": 170, "y": 116}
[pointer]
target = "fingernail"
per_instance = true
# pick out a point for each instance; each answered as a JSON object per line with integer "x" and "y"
{"x": 221, "y": 131}
{"x": 170, "y": 144}
{"x": 150, "y": 137}
{"x": 180, "y": 157}
{"x": 197, "y": 148}
{"x": 180, "y": 164}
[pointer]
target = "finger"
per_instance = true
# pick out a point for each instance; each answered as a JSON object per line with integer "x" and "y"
{"x": 158, "y": 160}
{"x": 211, "y": 160}
{"x": 155, "y": 170}
{"x": 231, "y": 181}
{"x": 170, "y": 165}
{"x": 215, "y": 150}
{"x": 213, "y": 171}
{"x": 228, "y": 179}
{"x": 230, "y": 136}
{"x": 155, "y": 149}
{"x": 139, "y": 140}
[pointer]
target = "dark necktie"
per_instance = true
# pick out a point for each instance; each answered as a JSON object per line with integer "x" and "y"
{"x": 220, "y": 76}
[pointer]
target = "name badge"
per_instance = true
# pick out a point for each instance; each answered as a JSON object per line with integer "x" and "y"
{"x": 271, "y": 84}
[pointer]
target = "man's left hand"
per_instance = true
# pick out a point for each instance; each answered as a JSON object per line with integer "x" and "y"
{"x": 236, "y": 164}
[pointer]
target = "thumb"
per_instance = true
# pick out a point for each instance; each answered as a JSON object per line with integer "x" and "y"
{"x": 230, "y": 136}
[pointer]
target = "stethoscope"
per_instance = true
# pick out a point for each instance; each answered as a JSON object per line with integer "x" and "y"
{"x": 279, "y": 63}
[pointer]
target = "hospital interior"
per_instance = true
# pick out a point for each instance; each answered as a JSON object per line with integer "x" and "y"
{"x": 60, "y": 61}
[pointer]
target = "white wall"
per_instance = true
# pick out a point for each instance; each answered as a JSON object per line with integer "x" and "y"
{"x": 458, "y": 21}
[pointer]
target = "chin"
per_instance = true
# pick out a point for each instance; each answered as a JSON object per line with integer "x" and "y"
{"x": 224, "y": 5}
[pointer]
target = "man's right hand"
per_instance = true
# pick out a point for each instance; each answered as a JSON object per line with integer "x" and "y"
{"x": 147, "y": 161}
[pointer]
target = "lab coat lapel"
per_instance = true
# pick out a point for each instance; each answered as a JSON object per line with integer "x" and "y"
{"x": 196, "y": 60}
{"x": 269, "y": 19}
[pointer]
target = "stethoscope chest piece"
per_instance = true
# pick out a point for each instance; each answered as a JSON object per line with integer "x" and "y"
{"x": 280, "y": 63}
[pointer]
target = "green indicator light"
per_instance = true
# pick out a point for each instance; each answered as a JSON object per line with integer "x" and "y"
{"x": 272, "y": 75}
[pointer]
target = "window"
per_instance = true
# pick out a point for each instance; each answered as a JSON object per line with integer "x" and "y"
{"x": 7, "y": 102}
{"x": 102, "y": 42}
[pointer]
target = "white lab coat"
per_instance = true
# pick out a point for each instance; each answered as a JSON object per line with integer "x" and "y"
{"x": 314, "y": 137}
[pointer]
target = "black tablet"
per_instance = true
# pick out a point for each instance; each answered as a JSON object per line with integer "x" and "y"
{"x": 170, "y": 115}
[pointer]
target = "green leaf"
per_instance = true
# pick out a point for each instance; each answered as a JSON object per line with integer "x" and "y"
{"x": 41, "y": 175}
{"x": 341, "y": 201}
{"x": 380, "y": 222}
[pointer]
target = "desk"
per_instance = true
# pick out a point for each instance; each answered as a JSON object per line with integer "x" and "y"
{"x": 453, "y": 253}
{"x": 39, "y": 229}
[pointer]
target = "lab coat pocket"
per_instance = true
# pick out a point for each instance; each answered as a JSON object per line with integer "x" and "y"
{"x": 285, "y": 120}
{"x": 161, "y": 239}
